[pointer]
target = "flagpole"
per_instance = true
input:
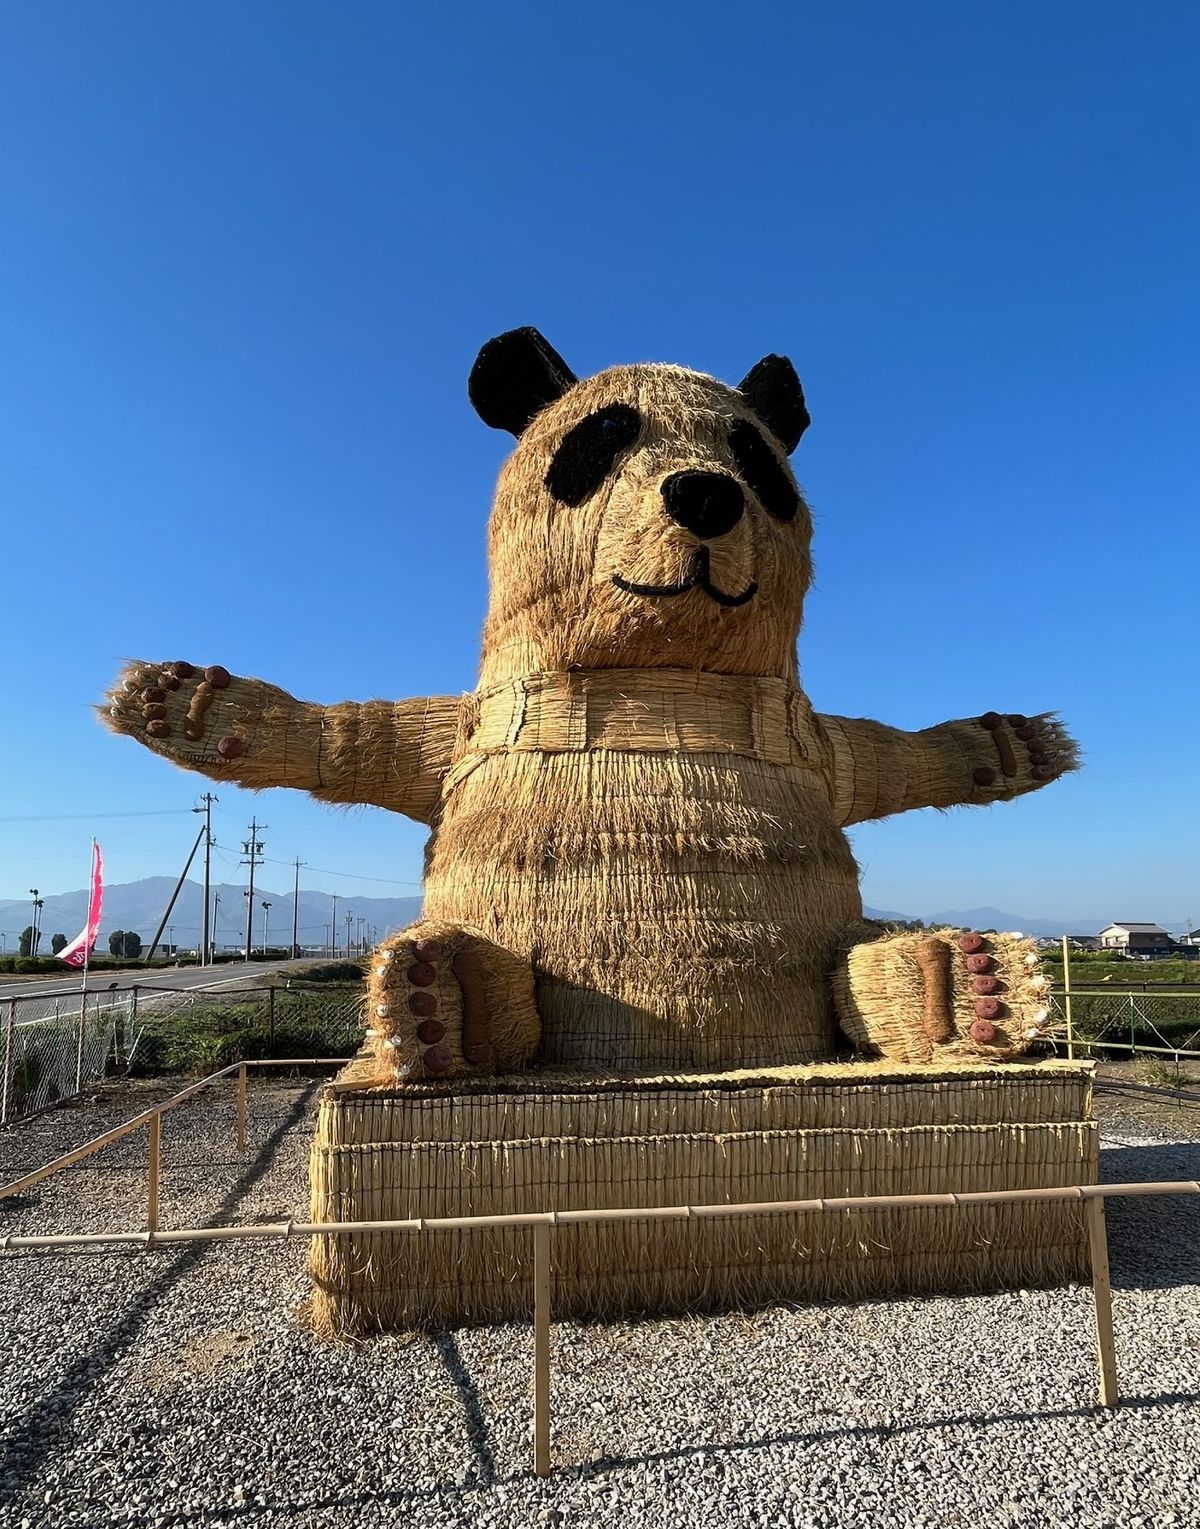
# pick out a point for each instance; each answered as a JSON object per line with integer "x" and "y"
{"x": 87, "y": 949}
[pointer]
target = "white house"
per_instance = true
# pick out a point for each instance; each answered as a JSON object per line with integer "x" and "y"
{"x": 1135, "y": 939}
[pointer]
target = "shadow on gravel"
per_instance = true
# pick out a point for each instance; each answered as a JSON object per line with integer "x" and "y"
{"x": 473, "y": 1419}
{"x": 36, "y": 1433}
{"x": 975, "y": 1421}
{"x": 700, "y": 1452}
{"x": 1153, "y": 1242}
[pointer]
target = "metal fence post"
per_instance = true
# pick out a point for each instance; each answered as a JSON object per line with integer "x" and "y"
{"x": 541, "y": 1348}
{"x": 1132, "y": 1028}
{"x": 79, "y": 1042}
{"x": 130, "y": 1038}
{"x": 8, "y": 1050}
{"x": 153, "y": 1172}
{"x": 241, "y": 1108}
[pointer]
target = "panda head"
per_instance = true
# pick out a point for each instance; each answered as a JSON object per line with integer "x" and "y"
{"x": 647, "y": 518}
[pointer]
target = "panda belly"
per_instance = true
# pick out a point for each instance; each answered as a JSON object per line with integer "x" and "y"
{"x": 678, "y": 909}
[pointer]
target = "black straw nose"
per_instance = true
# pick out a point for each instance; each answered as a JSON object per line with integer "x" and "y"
{"x": 707, "y": 504}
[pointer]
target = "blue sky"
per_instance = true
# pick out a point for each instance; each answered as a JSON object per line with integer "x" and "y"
{"x": 249, "y": 253}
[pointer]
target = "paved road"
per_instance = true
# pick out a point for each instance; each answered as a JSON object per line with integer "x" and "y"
{"x": 41, "y": 999}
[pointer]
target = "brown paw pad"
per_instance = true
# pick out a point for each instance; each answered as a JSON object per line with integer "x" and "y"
{"x": 437, "y": 1059}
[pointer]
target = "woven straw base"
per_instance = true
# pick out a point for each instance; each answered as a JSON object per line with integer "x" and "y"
{"x": 568, "y": 1140}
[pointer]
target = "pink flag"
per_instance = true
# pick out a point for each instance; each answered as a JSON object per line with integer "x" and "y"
{"x": 80, "y": 949}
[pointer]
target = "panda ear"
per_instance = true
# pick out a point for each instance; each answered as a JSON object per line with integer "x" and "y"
{"x": 773, "y": 391}
{"x": 514, "y": 377}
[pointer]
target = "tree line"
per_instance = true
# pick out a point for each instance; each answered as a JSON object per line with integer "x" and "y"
{"x": 123, "y": 943}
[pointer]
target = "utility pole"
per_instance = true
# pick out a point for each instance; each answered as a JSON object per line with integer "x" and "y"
{"x": 35, "y": 927}
{"x": 205, "y": 933}
{"x": 333, "y": 951}
{"x": 266, "y": 927}
{"x": 349, "y": 926}
{"x": 296, "y": 912}
{"x": 216, "y": 916}
{"x": 252, "y": 848}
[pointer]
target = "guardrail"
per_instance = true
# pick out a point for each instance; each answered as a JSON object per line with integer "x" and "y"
{"x": 544, "y": 1224}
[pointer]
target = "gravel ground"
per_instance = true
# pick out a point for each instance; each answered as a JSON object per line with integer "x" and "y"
{"x": 175, "y": 1386}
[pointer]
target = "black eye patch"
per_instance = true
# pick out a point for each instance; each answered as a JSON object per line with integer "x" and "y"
{"x": 760, "y": 467}
{"x": 589, "y": 451}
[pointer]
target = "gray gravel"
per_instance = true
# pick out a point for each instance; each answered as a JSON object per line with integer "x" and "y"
{"x": 176, "y": 1387}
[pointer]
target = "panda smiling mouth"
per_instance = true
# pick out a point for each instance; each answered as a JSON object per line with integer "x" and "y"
{"x": 697, "y": 579}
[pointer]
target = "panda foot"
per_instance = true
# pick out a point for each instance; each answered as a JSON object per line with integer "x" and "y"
{"x": 445, "y": 1002}
{"x": 945, "y": 995}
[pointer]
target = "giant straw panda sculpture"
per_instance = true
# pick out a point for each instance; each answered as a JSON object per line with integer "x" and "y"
{"x": 636, "y": 857}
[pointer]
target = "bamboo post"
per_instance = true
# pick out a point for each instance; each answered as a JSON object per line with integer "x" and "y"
{"x": 271, "y": 1014}
{"x": 152, "y": 1173}
{"x": 1066, "y": 950}
{"x": 541, "y": 1348}
{"x": 241, "y": 1107}
{"x": 5, "y": 1084}
{"x": 1106, "y": 1352}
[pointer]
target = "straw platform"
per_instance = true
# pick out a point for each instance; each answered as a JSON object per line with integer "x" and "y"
{"x": 568, "y": 1139}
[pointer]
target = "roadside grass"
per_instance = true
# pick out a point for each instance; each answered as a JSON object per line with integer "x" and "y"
{"x": 202, "y": 1036}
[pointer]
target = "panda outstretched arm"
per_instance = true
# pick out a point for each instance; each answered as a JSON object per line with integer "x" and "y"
{"x": 391, "y": 754}
{"x": 875, "y": 770}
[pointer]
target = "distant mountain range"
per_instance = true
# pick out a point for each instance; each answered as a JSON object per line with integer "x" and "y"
{"x": 996, "y": 918}
{"x": 139, "y": 905}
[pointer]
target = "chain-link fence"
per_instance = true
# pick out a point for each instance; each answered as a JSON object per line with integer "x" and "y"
{"x": 1120, "y": 1023}
{"x": 54, "y": 1045}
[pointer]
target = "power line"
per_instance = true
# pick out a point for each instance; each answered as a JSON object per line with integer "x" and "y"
{"x": 84, "y": 817}
{"x": 321, "y": 870}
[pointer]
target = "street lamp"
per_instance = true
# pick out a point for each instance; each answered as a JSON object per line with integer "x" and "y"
{"x": 266, "y": 927}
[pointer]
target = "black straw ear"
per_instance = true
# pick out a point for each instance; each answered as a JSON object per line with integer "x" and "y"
{"x": 514, "y": 377}
{"x": 773, "y": 391}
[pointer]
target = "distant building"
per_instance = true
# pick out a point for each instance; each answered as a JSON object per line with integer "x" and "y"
{"x": 1136, "y": 939}
{"x": 1082, "y": 941}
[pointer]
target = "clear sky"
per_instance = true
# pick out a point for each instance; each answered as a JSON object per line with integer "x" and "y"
{"x": 248, "y": 253}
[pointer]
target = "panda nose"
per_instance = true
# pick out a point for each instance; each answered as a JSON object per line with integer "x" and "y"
{"x": 707, "y": 504}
